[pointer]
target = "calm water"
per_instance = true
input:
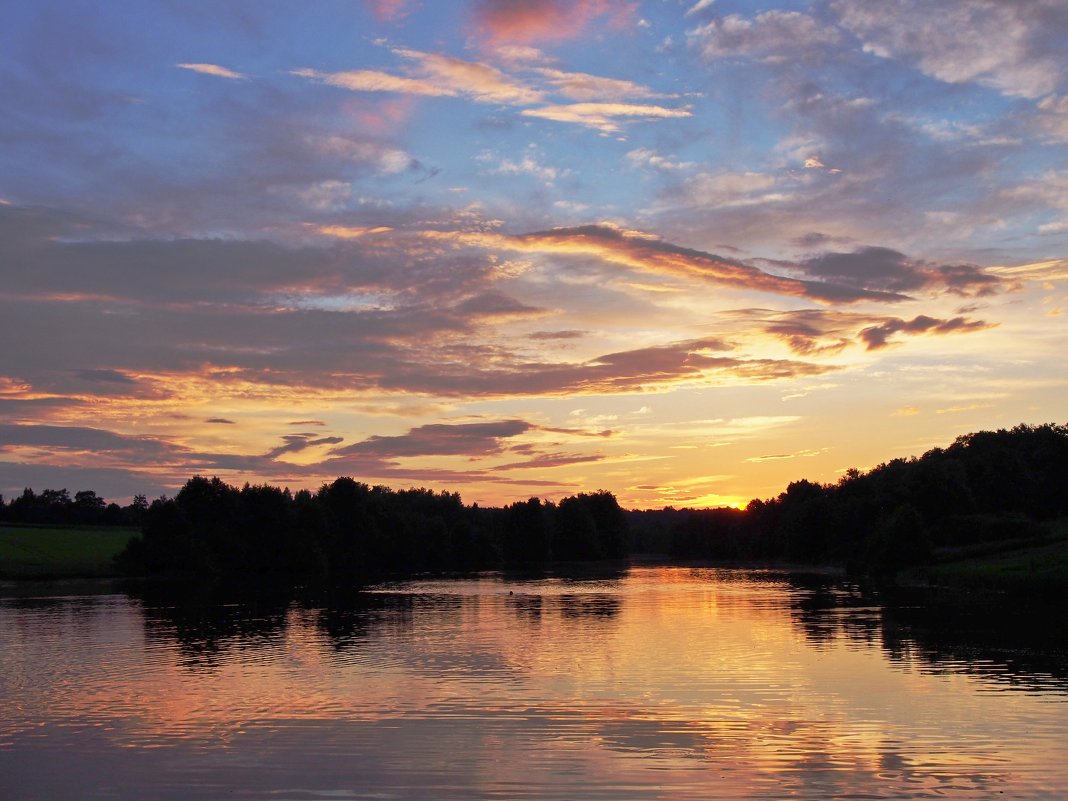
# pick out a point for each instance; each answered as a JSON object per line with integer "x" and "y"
{"x": 669, "y": 683}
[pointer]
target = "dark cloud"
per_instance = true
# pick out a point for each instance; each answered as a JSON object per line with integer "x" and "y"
{"x": 889, "y": 270}
{"x": 877, "y": 337}
{"x": 110, "y": 376}
{"x": 495, "y": 305}
{"x": 822, "y": 332}
{"x": 547, "y": 460}
{"x": 578, "y": 432}
{"x": 294, "y": 443}
{"x": 220, "y": 421}
{"x": 555, "y": 335}
{"x": 76, "y": 438}
{"x": 307, "y": 423}
{"x": 814, "y": 240}
{"x": 440, "y": 439}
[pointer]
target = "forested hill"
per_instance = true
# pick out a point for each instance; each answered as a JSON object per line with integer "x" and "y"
{"x": 989, "y": 486}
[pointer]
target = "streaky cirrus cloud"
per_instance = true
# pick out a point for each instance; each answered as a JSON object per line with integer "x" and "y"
{"x": 434, "y": 74}
{"x": 213, "y": 69}
{"x": 437, "y": 75}
{"x": 693, "y": 362}
{"x": 605, "y": 117}
{"x": 378, "y": 81}
{"x": 526, "y": 21}
{"x": 582, "y": 86}
{"x": 651, "y": 254}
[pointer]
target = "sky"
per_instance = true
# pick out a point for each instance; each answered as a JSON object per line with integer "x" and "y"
{"x": 687, "y": 251}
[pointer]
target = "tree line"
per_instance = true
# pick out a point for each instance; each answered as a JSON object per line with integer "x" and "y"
{"x": 57, "y": 507}
{"x": 986, "y": 487}
{"x": 349, "y": 529}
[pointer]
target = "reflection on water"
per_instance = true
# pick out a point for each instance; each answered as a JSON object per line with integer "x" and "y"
{"x": 650, "y": 683}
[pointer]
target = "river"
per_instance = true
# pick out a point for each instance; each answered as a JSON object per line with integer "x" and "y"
{"x": 652, "y": 682}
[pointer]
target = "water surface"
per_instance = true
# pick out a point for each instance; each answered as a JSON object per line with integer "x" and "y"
{"x": 655, "y": 682}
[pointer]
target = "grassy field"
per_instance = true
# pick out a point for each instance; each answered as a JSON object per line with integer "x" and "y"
{"x": 60, "y": 551}
{"x": 1036, "y": 567}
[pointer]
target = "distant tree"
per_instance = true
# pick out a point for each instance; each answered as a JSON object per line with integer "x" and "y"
{"x": 525, "y": 532}
{"x": 575, "y": 536}
{"x": 900, "y": 540}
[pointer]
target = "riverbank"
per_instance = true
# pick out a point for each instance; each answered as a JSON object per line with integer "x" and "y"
{"x": 60, "y": 552}
{"x": 71, "y": 552}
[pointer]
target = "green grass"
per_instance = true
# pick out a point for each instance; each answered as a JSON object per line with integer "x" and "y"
{"x": 60, "y": 551}
{"x": 1041, "y": 566}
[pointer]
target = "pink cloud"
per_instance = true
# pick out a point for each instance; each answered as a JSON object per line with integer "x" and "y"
{"x": 526, "y": 21}
{"x": 387, "y": 10}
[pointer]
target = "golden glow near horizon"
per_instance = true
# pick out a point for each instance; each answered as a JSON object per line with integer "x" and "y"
{"x": 527, "y": 250}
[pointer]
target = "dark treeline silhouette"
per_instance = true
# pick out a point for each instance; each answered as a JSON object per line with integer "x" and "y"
{"x": 350, "y": 530}
{"x": 988, "y": 487}
{"x": 57, "y": 507}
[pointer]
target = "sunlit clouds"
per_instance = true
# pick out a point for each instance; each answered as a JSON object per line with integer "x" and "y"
{"x": 684, "y": 252}
{"x": 212, "y": 69}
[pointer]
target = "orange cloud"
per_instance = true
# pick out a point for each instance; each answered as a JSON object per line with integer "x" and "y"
{"x": 433, "y": 75}
{"x": 585, "y": 87}
{"x": 377, "y": 81}
{"x": 526, "y": 21}
{"x": 350, "y": 231}
{"x": 479, "y": 81}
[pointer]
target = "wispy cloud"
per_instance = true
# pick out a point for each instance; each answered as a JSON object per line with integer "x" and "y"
{"x": 651, "y": 254}
{"x": 605, "y": 117}
{"x": 213, "y": 69}
{"x": 434, "y": 75}
{"x": 585, "y": 87}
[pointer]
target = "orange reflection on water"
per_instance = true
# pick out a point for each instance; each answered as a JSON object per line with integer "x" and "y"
{"x": 662, "y": 682}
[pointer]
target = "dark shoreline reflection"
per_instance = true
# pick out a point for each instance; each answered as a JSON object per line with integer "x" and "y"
{"x": 1019, "y": 643}
{"x": 689, "y": 683}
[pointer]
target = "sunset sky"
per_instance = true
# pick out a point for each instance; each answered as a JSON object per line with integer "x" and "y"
{"x": 686, "y": 251}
